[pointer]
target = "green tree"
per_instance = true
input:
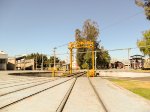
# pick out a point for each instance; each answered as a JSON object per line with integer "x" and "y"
{"x": 146, "y": 5}
{"x": 144, "y": 43}
{"x": 51, "y": 61}
{"x": 103, "y": 58}
{"x": 90, "y": 32}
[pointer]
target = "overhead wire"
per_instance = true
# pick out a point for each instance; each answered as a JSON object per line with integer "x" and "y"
{"x": 121, "y": 21}
{"x": 109, "y": 26}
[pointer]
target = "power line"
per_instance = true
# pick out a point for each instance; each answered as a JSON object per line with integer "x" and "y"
{"x": 62, "y": 45}
{"x": 100, "y": 51}
{"x": 104, "y": 50}
{"x": 121, "y": 21}
{"x": 122, "y": 49}
{"x": 111, "y": 25}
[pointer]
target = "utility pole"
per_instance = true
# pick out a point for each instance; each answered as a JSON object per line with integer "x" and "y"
{"x": 53, "y": 73}
{"x": 54, "y": 58}
{"x": 129, "y": 49}
{"x": 42, "y": 62}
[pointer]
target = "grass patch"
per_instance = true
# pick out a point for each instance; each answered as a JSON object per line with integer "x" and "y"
{"x": 141, "y": 88}
{"x": 145, "y": 92}
{"x": 140, "y": 71}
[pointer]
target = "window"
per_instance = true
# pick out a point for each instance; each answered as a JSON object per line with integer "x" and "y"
{"x": 2, "y": 61}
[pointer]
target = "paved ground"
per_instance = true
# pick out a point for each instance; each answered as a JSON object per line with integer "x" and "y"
{"x": 83, "y": 98}
{"x": 47, "y": 94}
{"x": 118, "y": 99}
{"x": 47, "y": 101}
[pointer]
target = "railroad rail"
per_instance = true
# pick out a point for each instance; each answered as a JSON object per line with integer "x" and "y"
{"x": 23, "y": 88}
{"x": 63, "y": 102}
{"x": 66, "y": 97}
{"x": 97, "y": 95}
{"x": 19, "y": 99}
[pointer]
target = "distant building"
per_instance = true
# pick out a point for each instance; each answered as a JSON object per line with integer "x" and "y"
{"x": 137, "y": 61}
{"x": 3, "y": 60}
{"x": 11, "y": 63}
{"x": 20, "y": 63}
{"x": 117, "y": 65}
{"x": 120, "y": 63}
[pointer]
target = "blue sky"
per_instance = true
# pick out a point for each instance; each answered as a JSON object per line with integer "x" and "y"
{"x": 40, "y": 25}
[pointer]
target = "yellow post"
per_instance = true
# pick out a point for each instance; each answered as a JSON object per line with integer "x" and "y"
{"x": 82, "y": 44}
{"x": 93, "y": 68}
{"x": 53, "y": 72}
{"x": 70, "y": 60}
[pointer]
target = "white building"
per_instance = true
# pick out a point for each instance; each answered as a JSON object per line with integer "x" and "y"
{"x": 3, "y": 60}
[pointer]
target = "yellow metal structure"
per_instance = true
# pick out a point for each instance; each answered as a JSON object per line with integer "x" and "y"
{"x": 82, "y": 44}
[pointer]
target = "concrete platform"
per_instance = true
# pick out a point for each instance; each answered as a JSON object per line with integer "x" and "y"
{"x": 119, "y": 100}
{"x": 83, "y": 98}
{"x": 24, "y": 85}
{"x": 6, "y": 100}
{"x": 47, "y": 101}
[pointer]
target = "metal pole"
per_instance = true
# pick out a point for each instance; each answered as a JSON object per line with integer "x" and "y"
{"x": 24, "y": 64}
{"x": 70, "y": 61}
{"x": 129, "y": 56}
{"x": 54, "y": 58}
{"x": 42, "y": 62}
{"x": 54, "y": 62}
{"x": 95, "y": 62}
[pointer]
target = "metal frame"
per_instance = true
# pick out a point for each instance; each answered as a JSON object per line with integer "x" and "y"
{"x": 81, "y": 44}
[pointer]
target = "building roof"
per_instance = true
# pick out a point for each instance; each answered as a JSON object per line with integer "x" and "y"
{"x": 2, "y": 52}
{"x": 3, "y": 55}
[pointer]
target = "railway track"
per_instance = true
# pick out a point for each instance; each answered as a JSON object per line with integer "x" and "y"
{"x": 22, "y": 83}
{"x": 6, "y": 82}
{"x": 7, "y": 91}
{"x": 15, "y": 98}
{"x": 43, "y": 87}
{"x": 97, "y": 95}
{"x": 66, "y": 97}
{"x": 71, "y": 94}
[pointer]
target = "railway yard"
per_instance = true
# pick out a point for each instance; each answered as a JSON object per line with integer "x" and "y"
{"x": 76, "y": 93}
